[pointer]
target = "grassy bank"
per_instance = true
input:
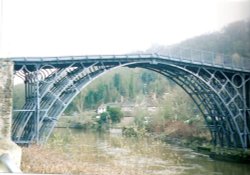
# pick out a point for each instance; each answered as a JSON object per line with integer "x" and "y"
{"x": 174, "y": 132}
{"x": 68, "y": 155}
{"x": 192, "y": 136}
{"x": 46, "y": 160}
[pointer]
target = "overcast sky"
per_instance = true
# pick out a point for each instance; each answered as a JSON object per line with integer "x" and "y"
{"x": 80, "y": 27}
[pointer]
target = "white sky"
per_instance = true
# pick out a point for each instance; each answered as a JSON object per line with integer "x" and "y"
{"x": 80, "y": 27}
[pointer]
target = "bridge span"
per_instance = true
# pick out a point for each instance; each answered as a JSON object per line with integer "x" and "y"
{"x": 219, "y": 86}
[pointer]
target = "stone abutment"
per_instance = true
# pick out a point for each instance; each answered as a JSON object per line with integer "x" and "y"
{"x": 10, "y": 153}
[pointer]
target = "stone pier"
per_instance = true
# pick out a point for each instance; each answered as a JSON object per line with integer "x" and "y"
{"x": 10, "y": 153}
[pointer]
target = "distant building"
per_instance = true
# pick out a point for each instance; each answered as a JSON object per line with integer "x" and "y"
{"x": 128, "y": 107}
{"x": 102, "y": 108}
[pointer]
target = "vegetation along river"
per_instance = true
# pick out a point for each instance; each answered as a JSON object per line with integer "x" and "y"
{"x": 77, "y": 152}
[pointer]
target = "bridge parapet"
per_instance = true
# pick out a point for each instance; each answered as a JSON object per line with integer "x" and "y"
{"x": 199, "y": 57}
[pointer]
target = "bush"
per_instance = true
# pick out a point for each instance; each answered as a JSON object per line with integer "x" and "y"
{"x": 129, "y": 131}
{"x": 103, "y": 118}
{"x": 115, "y": 114}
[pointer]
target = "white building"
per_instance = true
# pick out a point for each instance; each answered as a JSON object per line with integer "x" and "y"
{"x": 102, "y": 108}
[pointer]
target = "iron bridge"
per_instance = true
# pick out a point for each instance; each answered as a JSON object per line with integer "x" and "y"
{"x": 219, "y": 85}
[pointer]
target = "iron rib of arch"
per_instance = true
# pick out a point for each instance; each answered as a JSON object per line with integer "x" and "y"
{"x": 218, "y": 90}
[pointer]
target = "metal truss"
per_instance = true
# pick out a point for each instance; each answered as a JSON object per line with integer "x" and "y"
{"x": 222, "y": 94}
{"x": 222, "y": 113}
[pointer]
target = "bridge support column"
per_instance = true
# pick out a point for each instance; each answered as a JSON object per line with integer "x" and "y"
{"x": 247, "y": 87}
{"x": 10, "y": 153}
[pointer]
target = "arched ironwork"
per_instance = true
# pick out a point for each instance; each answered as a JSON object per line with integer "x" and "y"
{"x": 220, "y": 91}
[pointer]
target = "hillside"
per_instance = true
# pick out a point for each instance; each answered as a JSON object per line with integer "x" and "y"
{"x": 232, "y": 39}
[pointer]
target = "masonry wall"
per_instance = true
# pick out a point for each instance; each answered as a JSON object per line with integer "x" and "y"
{"x": 6, "y": 91}
{"x": 10, "y": 153}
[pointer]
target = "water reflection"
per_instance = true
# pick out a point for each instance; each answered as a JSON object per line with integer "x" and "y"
{"x": 138, "y": 155}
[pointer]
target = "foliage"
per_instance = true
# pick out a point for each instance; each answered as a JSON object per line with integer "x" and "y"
{"x": 134, "y": 131}
{"x": 103, "y": 118}
{"x": 129, "y": 131}
{"x": 140, "y": 116}
{"x": 81, "y": 124}
{"x": 232, "y": 39}
{"x": 121, "y": 84}
{"x": 117, "y": 80}
{"x": 147, "y": 77}
{"x": 175, "y": 106}
{"x": 115, "y": 114}
{"x": 19, "y": 96}
{"x": 178, "y": 105}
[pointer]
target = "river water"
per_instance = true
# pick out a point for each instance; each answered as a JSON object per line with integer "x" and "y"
{"x": 115, "y": 154}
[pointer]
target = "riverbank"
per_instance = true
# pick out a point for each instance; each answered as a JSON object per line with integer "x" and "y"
{"x": 194, "y": 136}
{"x": 76, "y": 152}
{"x": 235, "y": 155}
{"x": 199, "y": 142}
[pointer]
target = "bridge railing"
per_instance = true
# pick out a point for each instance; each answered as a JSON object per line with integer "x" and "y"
{"x": 234, "y": 62}
{"x": 207, "y": 58}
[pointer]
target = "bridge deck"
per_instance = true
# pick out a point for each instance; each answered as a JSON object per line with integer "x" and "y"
{"x": 208, "y": 59}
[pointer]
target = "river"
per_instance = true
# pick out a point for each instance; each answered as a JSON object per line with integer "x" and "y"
{"x": 93, "y": 153}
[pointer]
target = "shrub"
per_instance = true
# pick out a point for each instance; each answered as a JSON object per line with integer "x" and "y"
{"x": 115, "y": 114}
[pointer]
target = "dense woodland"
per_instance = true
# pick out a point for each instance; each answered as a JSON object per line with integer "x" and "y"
{"x": 121, "y": 86}
{"x": 232, "y": 39}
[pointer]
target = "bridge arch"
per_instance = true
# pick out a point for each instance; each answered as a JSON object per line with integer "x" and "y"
{"x": 220, "y": 129}
{"x": 50, "y": 88}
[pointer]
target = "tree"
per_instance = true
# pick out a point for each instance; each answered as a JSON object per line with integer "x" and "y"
{"x": 19, "y": 96}
{"x": 100, "y": 93}
{"x": 115, "y": 114}
{"x": 147, "y": 77}
{"x": 79, "y": 103}
{"x": 103, "y": 118}
{"x": 131, "y": 89}
{"x": 117, "y": 82}
{"x": 90, "y": 99}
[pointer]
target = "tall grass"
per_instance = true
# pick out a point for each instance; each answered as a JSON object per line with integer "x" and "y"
{"x": 69, "y": 156}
